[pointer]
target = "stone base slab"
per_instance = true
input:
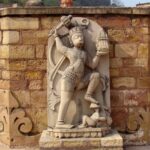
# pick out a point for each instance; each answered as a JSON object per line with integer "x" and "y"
{"x": 112, "y": 141}
{"x": 79, "y": 132}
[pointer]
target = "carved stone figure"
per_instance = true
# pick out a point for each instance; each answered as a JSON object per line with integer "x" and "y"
{"x": 78, "y": 87}
{"x": 78, "y": 69}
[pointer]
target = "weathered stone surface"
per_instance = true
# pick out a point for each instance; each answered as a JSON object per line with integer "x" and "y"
{"x": 116, "y": 62}
{"x": 12, "y": 75}
{"x": 4, "y": 51}
{"x": 119, "y": 21}
{"x": 10, "y": 37}
{"x": 143, "y": 82}
{"x": 130, "y": 72}
{"x": 35, "y": 85}
{"x": 38, "y": 98}
{"x": 117, "y": 98}
{"x": 116, "y": 35}
{"x": 140, "y": 22}
{"x": 132, "y": 35}
{"x": 38, "y": 64}
{"x": 4, "y": 98}
{"x": 3, "y": 63}
{"x": 19, "y": 23}
{"x": 143, "y": 50}
{"x": 0, "y": 36}
{"x": 17, "y": 65}
{"x": 33, "y": 75}
{"x": 23, "y": 97}
{"x": 126, "y": 50}
{"x": 49, "y": 22}
{"x": 119, "y": 117}
{"x": 35, "y": 37}
{"x": 137, "y": 62}
{"x": 114, "y": 72}
{"x": 40, "y": 51}
{"x": 4, "y": 84}
{"x": 18, "y": 85}
{"x": 123, "y": 82}
{"x": 135, "y": 98}
{"x": 21, "y": 51}
{"x": 113, "y": 141}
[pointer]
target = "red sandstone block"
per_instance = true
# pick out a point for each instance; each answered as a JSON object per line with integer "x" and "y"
{"x": 143, "y": 82}
{"x": 117, "y": 21}
{"x": 130, "y": 72}
{"x": 18, "y": 85}
{"x": 119, "y": 117}
{"x": 117, "y": 97}
{"x": 135, "y": 97}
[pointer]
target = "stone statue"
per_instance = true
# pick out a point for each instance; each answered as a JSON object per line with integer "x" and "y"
{"x": 78, "y": 89}
{"x": 75, "y": 76}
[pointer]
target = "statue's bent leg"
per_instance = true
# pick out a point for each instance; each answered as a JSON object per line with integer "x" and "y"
{"x": 67, "y": 90}
{"x": 94, "y": 81}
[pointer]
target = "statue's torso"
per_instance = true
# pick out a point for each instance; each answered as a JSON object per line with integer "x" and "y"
{"x": 77, "y": 60}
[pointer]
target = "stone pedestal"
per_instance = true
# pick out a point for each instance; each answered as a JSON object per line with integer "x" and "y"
{"x": 112, "y": 141}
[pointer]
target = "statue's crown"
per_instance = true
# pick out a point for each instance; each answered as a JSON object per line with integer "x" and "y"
{"x": 75, "y": 30}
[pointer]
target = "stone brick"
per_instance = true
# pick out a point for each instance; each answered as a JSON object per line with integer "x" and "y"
{"x": 23, "y": 97}
{"x": 0, "y": 36}
{"x": 4, "y": 84}
{"x": 38, "y": 64}
{"x": 132, "y": 35}
{"x": 17, "y": 65}
{"x": 140, "y": 22}
{"x": 115, "y": 63}
{"x": 0, "y": 74}
{"x": 10, "y": 37}
{"x": 12, "y": 75}
{"x": 3, "y": 64}
{"x": 44, "y": 86}
{"x": 138, "y": 62}
{"x": 39, "y": 37}
{"x": 119, "y": 21}
{"x": 4, "y": 97}
{"x": 143, "y": 82}
{"x": 116, "y": 35}
{"x": 114, "y": 72}
{"x": 40, "y": 51}
{"x": 119, "y": 116}
{"x": 49, "y": 22}
{"x": 33, "y": 75}
{"x": 19, "y": 23}
{"x": 18, "y": 85}
{"x": 39, "y": 118}
{"x": 117, "y": 98}
{"x": 123, "y": 82}
{"x": 111, "y": 50}
{"x": 35, "y": 85}
{"x": 135, "y": 97}
{"x": 21, "y": 51}
{"x": 126, "y": 50}
{"x": 4, "y": 51}
{"x": 39, "y": 98}
{"x": 130, "y": 72}
{"x": 143, "y": 50}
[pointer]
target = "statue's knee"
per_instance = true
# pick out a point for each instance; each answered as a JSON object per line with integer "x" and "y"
{"x": 95, "y": 75}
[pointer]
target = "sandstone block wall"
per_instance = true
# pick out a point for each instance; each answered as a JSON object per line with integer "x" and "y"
{"x": 23, "y": 38}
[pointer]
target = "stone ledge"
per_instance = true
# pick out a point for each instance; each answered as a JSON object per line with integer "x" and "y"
{"x": 110, "y": 142}
{"x": 73, "y": 10}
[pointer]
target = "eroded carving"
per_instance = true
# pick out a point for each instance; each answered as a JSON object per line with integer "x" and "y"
{"x": 15, "y": 117}
{"x": 77, "y": 51}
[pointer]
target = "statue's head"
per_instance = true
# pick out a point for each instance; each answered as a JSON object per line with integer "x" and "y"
{"x": 76, "y": 37}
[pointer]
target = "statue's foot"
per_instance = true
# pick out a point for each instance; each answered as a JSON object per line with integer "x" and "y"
{"x": 64, "y": 126}
{"x": 89, "y": 98}
{"x": 81, "y": 126}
